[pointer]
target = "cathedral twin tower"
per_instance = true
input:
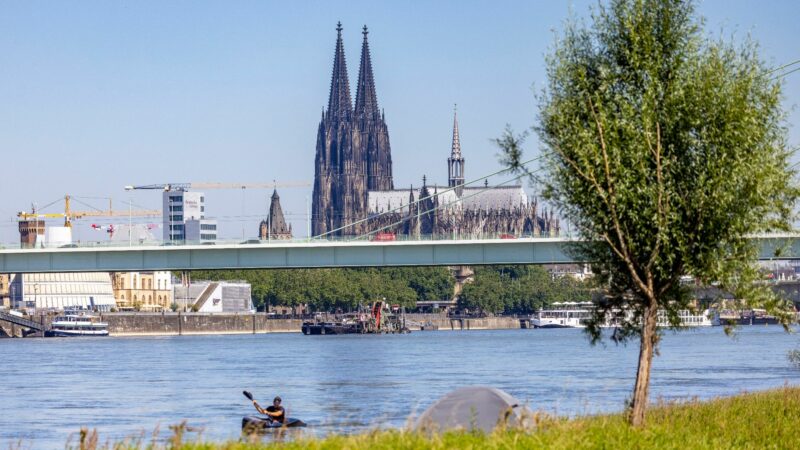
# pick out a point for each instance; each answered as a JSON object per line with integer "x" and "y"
{"x": 353, "y": 153}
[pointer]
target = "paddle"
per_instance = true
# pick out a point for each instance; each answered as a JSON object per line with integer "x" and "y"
{"x": 255, "y": 403}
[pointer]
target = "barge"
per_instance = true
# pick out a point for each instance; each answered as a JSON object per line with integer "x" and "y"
{"x": 380, "y": 319}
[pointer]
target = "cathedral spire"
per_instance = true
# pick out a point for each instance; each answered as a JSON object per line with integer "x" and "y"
{"x": 366, "y": 98}
{"x": 455, "y": 163}
{"x": 455, "y": 150}
{"x": 340, "y": 105}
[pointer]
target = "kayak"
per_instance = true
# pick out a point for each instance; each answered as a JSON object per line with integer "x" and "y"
{"x": 258, "y": 423}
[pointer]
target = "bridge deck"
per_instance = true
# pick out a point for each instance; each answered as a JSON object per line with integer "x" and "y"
{"x": 313, "y": 254}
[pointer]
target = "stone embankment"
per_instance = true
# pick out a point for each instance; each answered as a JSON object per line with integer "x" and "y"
{"x": 169, "y": 323}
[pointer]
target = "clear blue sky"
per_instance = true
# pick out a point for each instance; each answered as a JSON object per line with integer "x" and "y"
{"x": 97, "y": 95}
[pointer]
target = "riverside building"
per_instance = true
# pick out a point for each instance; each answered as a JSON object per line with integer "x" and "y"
{"x": 59, "y": 291}
{"x": 5, "y": 300}
{"x": 147, "y": 291}
{"x": 215, "y": 297}
{"x": 184, "y": 217}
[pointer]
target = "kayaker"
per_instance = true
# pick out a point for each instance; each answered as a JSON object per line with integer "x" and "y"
{"x": 274, "y": 412}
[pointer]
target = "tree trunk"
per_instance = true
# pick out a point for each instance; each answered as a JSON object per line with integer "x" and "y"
{"x": 646, "y": 349}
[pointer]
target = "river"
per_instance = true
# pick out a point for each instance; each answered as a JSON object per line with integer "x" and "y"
{"x": 50, "y": 388}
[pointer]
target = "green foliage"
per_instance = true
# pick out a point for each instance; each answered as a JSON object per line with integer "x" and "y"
{"x": 666, "y": 150}
{"x": 345, "y": 289}
{"x": 519, "y": 290}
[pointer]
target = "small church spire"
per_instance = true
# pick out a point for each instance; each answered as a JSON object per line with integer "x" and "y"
{"x": 340, "y": 105}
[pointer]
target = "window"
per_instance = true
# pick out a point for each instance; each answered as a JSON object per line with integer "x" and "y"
{"x": 176, "y": 218}
{"x": 175, "y": 198}
{"x": 208, "y": 236}
{"x": 202, "y": 209}
{"x": 208, "y": 226}
{"x": 202, "y": 199}
{"x": 177, "y": 208}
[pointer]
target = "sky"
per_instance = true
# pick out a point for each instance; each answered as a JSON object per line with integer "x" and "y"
{"x": 96, "y": 95}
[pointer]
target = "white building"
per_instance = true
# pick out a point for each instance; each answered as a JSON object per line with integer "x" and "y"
{"x": 215, "y": 296}
{"x": 57, "y": 291}
{"x": 184, "y": 217}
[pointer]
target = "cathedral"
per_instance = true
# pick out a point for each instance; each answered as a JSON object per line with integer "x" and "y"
{"x": 354, "y": 191}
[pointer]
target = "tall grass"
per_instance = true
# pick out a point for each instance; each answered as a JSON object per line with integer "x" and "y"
{"x": 769, "y": 419}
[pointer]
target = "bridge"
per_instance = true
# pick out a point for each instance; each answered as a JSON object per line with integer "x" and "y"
{"x": 31, "y": 325}
{"x": 322, "y": 254}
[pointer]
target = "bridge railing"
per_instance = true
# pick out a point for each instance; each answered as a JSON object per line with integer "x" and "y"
{"x": 21, "y": 321}
{"x": 249, "y": 242}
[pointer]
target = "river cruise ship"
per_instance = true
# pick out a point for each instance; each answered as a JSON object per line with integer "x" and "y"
{"x": 563, "y": 315}
{"x": 577, "y": 314}
{"x": 77, "y": 324}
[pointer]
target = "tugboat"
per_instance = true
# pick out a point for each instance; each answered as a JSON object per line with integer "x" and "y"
{"x": 380, "y": 319}
{"x": 77, "y": 324}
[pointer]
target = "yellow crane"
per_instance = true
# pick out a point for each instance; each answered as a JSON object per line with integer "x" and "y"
{"x": 69, "y": 215}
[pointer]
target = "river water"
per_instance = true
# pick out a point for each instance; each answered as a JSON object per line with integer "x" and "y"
{"x": 50, "y": 388}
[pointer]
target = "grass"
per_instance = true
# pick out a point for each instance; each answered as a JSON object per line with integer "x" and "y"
{"x": 768, "y": 419}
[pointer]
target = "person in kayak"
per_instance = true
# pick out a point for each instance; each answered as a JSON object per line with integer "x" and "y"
{"x": 274, "y": 412}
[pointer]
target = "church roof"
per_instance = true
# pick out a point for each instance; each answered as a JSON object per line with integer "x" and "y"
{"x": 383, "y": 201}
{"x": 493, "y": 197}
{"x": 496, "y": 197}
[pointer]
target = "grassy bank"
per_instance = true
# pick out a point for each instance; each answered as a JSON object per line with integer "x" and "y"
{"x": 769, "y": 419}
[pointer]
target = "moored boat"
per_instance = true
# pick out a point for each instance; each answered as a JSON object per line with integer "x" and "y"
{"x": 577, "y": 314}
{"x": 563, "y": 315}
{"x": 77, "y": 324}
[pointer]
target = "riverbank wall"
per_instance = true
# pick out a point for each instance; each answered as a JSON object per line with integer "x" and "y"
{"x": 178, "y": 324}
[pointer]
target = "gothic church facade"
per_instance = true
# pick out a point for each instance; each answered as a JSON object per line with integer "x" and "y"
{"x": 354, "y": 190}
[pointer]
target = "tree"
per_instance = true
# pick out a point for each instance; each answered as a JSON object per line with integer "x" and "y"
{"x": 519, "y": 290}
{"x": 665, "y": 149}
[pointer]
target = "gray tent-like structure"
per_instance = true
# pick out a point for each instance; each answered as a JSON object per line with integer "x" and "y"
{"x": 474, "y": 408}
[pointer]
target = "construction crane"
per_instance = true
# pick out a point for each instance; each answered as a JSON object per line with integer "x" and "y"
{"x": 69, "y": 215}
{"x": 187, "y": 186}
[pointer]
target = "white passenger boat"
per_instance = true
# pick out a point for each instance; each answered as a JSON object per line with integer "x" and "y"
{"x": 77, "y": 324}
{"x": 563, "y": 315}
{"x": 577, "y": 314}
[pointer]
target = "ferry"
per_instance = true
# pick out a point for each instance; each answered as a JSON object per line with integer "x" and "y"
{"x": 577, "y": 314}
{"x": 77, "y": 324}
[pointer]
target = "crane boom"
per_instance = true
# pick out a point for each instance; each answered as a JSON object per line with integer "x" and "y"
{"x": 212, "y": 185}
{"x": 69, "y": 215}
